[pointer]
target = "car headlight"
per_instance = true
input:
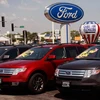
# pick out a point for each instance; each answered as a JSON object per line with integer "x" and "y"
{"x": 57, "y": 72}
{"x": 18, "y": 70}
{"x": 88, "y": 73}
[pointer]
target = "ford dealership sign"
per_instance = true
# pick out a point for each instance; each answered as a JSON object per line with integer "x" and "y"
{"x": 63, "y": 13}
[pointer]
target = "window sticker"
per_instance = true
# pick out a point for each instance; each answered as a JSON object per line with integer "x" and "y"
{"x": 93, "y": 51}
{"x": 84, "y": 54}
{"x": 87, "y": 52}
{"x": 27, "y": 53}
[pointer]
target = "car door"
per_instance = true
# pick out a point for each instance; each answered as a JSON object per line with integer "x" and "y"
{"x": 60, "y": 57}
{"x": 53, "y": 63}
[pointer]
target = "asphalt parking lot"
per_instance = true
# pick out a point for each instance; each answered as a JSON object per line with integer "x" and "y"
{"x": 50, "y": 94}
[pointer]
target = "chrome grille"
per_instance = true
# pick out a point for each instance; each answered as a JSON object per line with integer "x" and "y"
{"x": 6, "y": 70}
{"x": 71, "y": 72}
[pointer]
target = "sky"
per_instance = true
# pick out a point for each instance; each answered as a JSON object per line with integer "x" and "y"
{"x": 30, "y": 14}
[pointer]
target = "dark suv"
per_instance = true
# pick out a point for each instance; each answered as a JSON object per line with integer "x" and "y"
{"x": 35, "y": 67}
{"x": 11, "y": 52}
{"x": 83, "y": 73}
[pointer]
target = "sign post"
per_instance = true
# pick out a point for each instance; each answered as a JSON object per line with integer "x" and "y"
{"x": 64, "y": 13}
{"x": 25, "y": 36}
{"x": 65, "y": 37}
{"x": 57, "y": 34}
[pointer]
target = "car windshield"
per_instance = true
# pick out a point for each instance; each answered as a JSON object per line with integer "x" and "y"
{"x": 2, "y": 50}
{"x": 35, "y": 53}
{"x": 91, "y": 53}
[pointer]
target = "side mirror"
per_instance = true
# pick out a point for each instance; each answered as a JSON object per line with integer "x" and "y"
{"x": 51, "y": 57}
{"x": 6, "y": 57}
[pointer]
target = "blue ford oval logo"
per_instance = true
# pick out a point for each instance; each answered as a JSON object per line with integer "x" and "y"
{"x": 63, "y": 13}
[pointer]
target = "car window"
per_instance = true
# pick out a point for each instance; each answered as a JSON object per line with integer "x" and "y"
{"x": 71, "y": 52}
{"x": 12, "y": 53}
{"x": 92, "y": 52}
{"x": 59, "y": 52}
{"x": 2, "y": 50}
{"x": 21, "y": 50}
{"x": 34, "y": 53}
{"x": 81, "y": 49}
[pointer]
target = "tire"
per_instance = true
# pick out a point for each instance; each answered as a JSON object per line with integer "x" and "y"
{"x": 37, "y": 83}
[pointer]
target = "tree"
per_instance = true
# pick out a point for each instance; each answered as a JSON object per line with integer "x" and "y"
{"x": 34, "y": 37}
{"x": 42, "y": 39}
{"x": 11, "y": 36}
{"x": 48, "y": 32}
{"x": 74, "y": 33}
{"x": 13, "y": 40}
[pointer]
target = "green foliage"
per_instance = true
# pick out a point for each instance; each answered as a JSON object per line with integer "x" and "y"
{"x": 48, "y": 32}
{"x": 34, "y": 36}
{"x": 42, "y": 39}
{"x": 74, "y": 33}
{"x": 20, "y": 39}
{"x": 9, "y": 35}
{"x": 13, "y": 40}
{"x": 30, "y": 36}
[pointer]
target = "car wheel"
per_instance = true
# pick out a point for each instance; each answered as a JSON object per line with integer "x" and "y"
{"x": 37, "y": 83}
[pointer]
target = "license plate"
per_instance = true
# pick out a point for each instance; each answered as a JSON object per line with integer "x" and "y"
{"x": 65, "y": 84}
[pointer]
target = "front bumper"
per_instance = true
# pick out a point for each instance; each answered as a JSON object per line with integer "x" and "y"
{"x": 13, "y": 80}
{"x": 4, "y": 85}
{"x": 77, "y": 83}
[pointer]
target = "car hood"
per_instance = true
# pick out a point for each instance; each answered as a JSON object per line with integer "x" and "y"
{"x": 81, "y": 64}
{"x": 18, "y": 63}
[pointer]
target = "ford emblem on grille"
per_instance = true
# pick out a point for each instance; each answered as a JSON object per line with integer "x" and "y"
{"x": 68, "y": 73}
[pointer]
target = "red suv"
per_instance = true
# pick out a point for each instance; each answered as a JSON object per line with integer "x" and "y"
{"x": 35, "y": 67}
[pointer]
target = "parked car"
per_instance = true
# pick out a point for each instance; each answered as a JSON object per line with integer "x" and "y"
{"x": 83, "y": 73}
{"x": 1, "y": 44}
{"x": 11, "y": 52}
{"x": 35, "y": 67}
